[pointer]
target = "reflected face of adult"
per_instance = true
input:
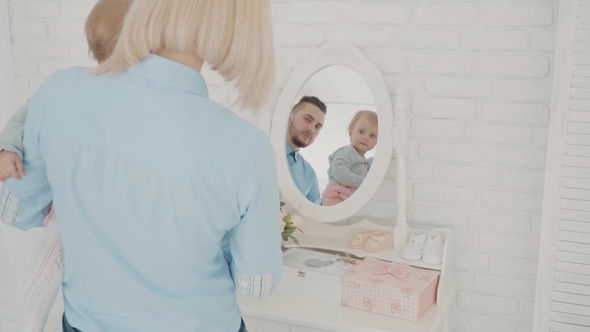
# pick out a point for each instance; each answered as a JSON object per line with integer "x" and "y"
{"x": 305, "y": 125}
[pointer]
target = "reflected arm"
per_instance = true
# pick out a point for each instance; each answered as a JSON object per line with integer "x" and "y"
{"x": 341, "y": 170}
{"x": 314, "y": 194}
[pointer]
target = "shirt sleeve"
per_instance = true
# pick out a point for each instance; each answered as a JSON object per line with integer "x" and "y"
{"x": 314, "y": 194}
{"x": 341, "y": 172}
{"x": 255, "y": 243}
{"x": 11, "y": 138}
{"x": 25, "y": 203}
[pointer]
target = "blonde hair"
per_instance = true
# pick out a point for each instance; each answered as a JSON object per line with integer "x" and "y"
{"x": 103, "y": 26}
{"x": 234, "y": 36}
{"x": 372, "y": 116}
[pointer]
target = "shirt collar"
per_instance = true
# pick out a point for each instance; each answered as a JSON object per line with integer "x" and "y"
{"x": 289, "y": 152}
{"x": 172, "y": 74}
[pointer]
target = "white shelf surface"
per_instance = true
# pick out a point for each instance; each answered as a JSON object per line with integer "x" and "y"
{"x": 337, "y": 244}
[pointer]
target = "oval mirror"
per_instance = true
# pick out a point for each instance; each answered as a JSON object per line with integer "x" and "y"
{"x": 331, "y": 134}
{"x": 331, "y": 131}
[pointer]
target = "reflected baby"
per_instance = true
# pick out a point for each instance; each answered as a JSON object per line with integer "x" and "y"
{"x": 348, "y": 165}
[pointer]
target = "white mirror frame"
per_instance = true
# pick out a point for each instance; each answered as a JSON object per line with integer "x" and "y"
{"x": 329, "y": 54}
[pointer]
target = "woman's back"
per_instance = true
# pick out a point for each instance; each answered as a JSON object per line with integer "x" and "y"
{"x": 157, "y": 192}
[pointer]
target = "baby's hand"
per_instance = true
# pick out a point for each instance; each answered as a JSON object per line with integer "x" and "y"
{"x": 343, "y": 197}
{"x": 10, "y": 166}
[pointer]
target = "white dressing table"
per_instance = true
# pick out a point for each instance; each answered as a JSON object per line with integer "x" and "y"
{"x": 287, "y": 310}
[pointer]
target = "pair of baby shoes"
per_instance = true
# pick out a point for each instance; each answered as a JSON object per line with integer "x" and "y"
{"x": 370, "y": 241}
{"x": 427, "y": 246}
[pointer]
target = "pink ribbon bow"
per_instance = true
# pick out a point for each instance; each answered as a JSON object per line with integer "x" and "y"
{"x": 399, "y": 270}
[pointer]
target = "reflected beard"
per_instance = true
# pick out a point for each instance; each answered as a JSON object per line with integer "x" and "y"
{"x": 295, "y": 137}
{"x": 298, "y": 143}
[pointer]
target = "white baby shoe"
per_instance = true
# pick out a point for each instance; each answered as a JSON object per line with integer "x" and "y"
{"x": 433, "y": 250}
{"x": 415, "y": 247}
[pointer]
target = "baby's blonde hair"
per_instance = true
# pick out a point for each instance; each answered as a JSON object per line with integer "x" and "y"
{"x": 103, "y": 26}
{"x": 372, "y": 116}
{"x": 234, "y": 36}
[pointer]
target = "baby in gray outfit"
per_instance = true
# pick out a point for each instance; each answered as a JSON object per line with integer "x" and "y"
{"x": 348, "y": 165}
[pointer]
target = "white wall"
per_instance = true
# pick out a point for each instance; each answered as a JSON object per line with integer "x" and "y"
{"x": 480, "y": 75}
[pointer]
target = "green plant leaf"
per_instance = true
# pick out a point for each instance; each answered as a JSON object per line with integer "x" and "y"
{"x": 283, "y": 204}
{"x": 285, "y": 237}
{"x": 294, "y": 240}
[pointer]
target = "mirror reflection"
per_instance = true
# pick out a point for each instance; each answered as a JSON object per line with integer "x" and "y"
{"x": 331, "y": 135}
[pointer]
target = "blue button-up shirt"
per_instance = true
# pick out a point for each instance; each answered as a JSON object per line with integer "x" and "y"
{"x": 304, "y": 176}
{"x": 166, "y": 201}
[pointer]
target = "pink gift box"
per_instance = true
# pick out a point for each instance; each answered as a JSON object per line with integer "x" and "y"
{"x": 408, "y": 298}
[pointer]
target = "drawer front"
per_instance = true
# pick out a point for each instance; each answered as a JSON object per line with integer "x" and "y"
{"x": 297, "y": 328}
{"x": 262, "y": 325}
{"x": 312, "y": 286}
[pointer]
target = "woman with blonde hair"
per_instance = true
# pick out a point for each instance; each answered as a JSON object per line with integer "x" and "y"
{"x": 163, "y": 215}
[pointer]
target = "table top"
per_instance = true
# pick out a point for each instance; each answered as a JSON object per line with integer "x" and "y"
{"x": 304, "y": 311}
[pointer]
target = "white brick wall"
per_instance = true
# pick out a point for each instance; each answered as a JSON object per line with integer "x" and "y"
{"x": 534, "y": 114}
{"x": 380, "y": 14}
{"x": 496, "y": 40}
{"x": 444, "y": 108}
{"x": 426, "y": 39}
{"x": 459, "y": 87}
{"x": 457, "y": 15}
{"x": 442, "y": 64}
{"x": 480, "y": 77}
